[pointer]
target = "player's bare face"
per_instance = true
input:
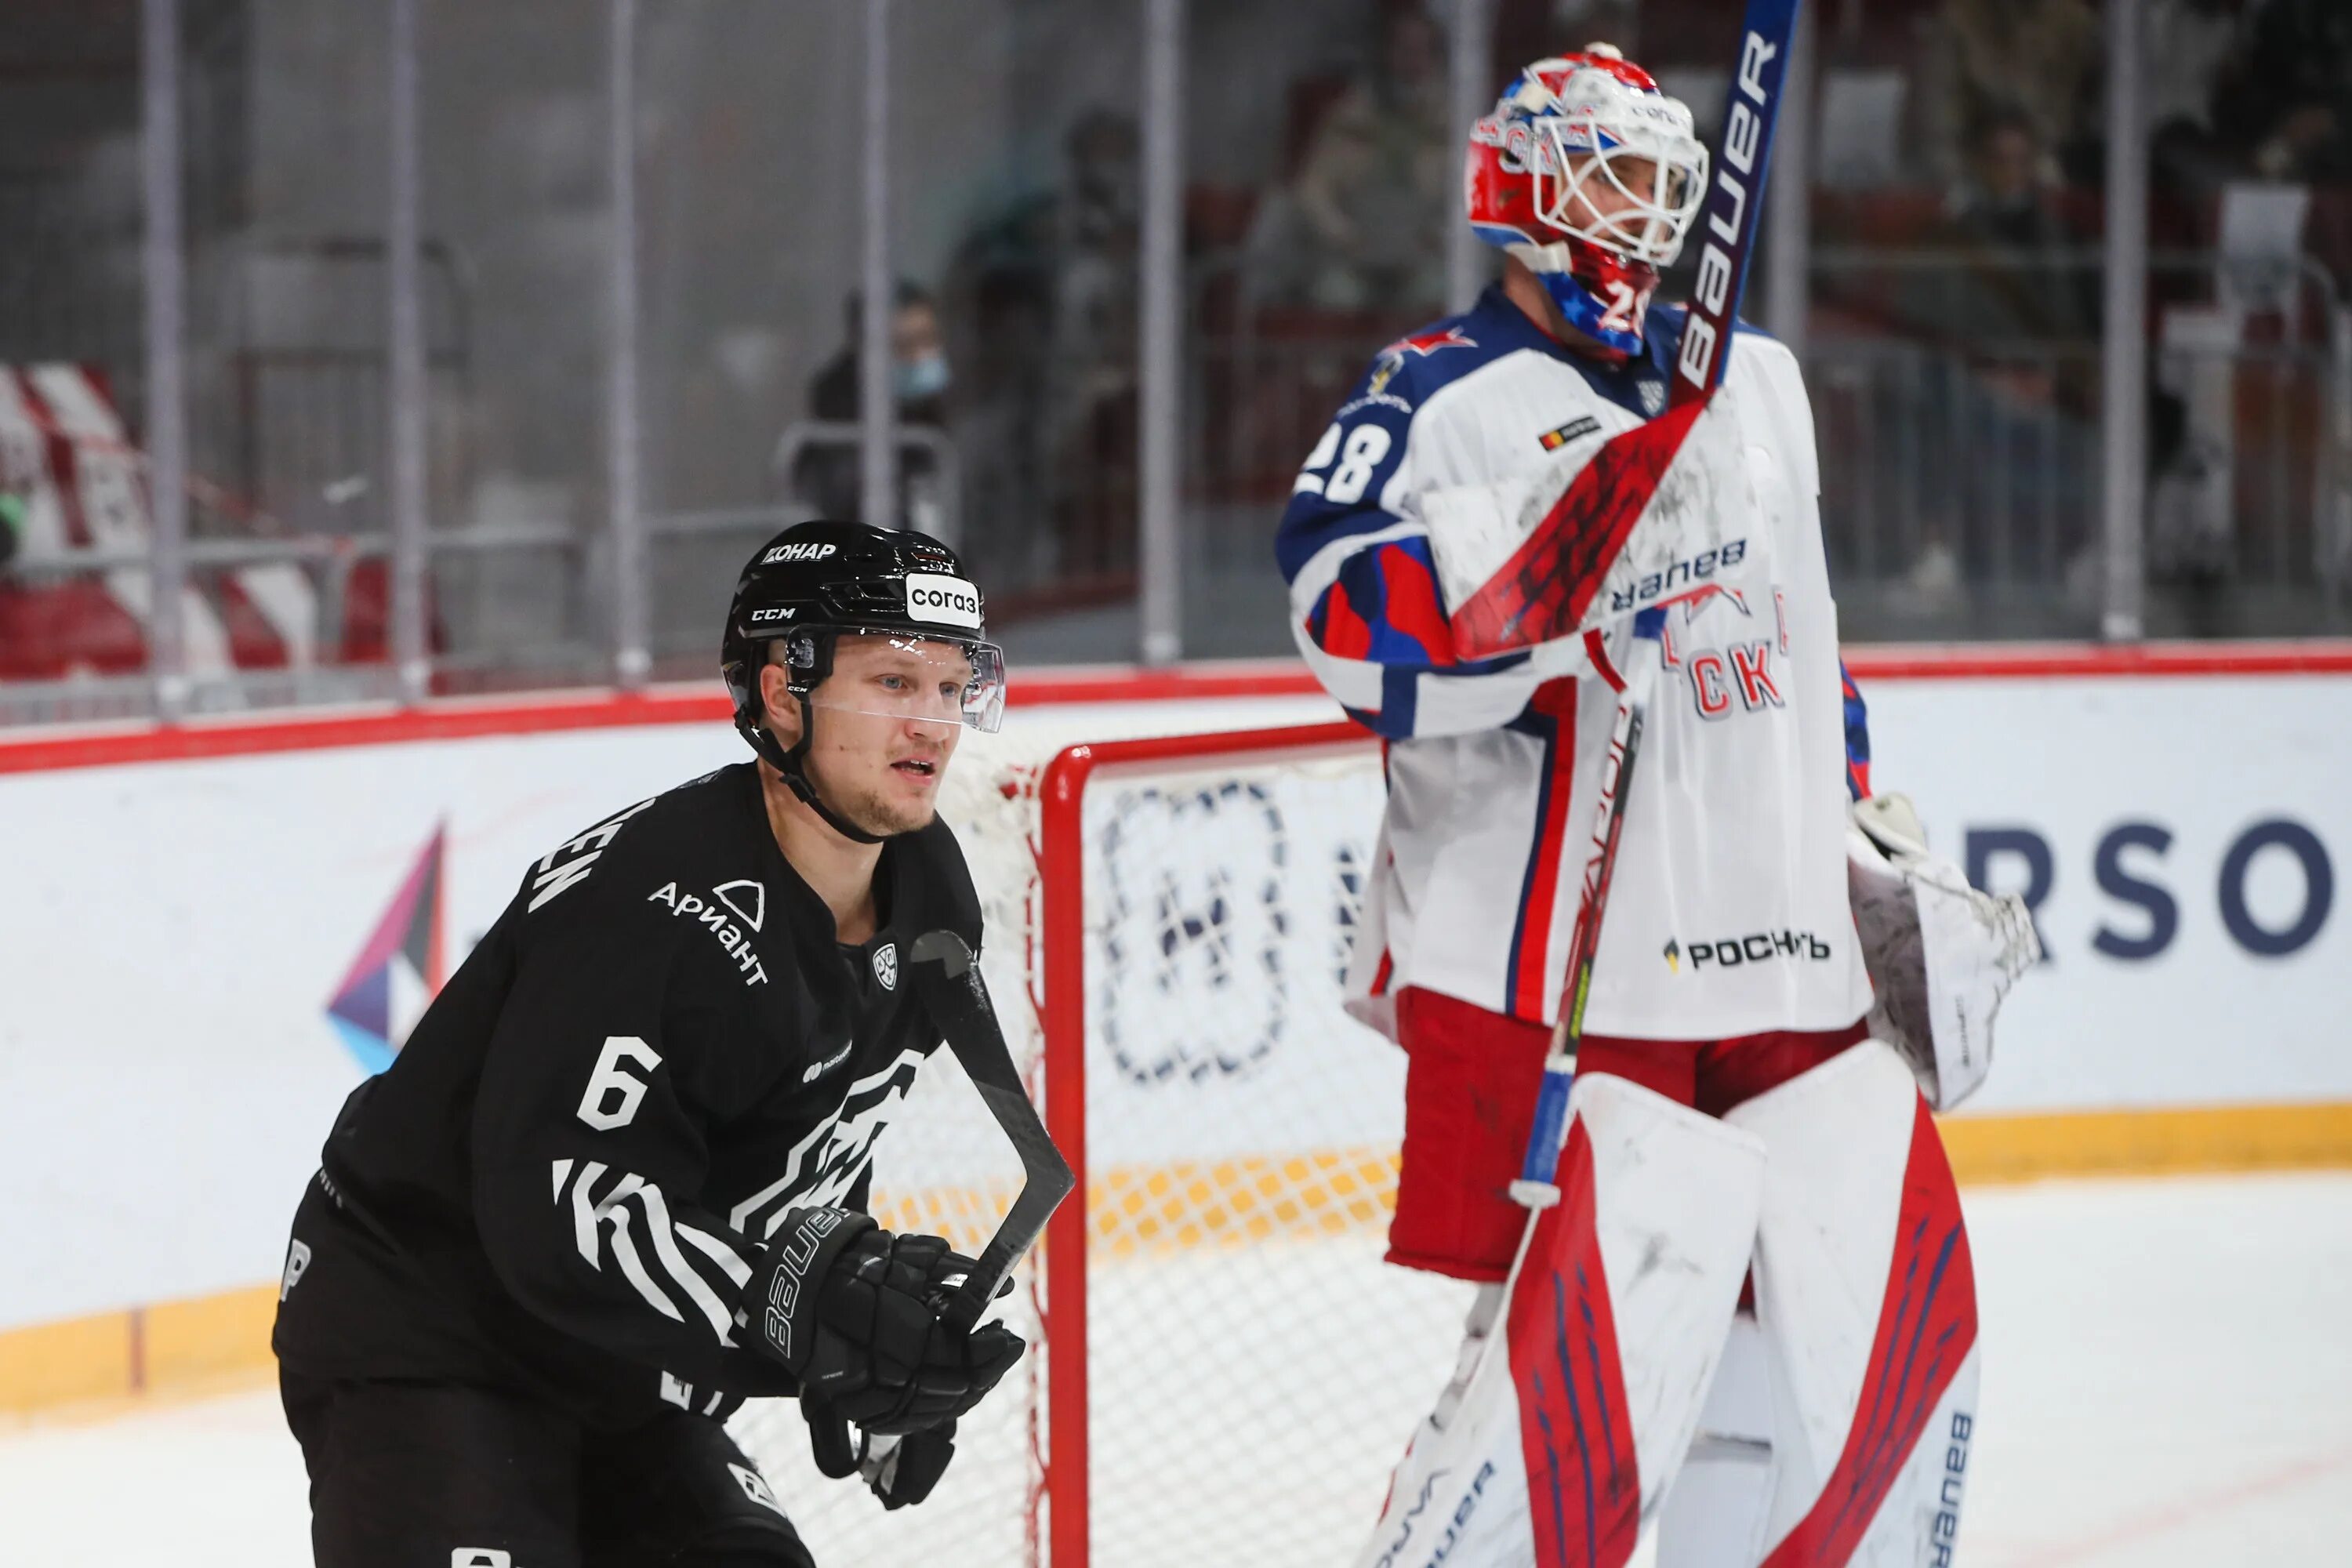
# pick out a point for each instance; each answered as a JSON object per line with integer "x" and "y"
{"x": 887, "y": 723}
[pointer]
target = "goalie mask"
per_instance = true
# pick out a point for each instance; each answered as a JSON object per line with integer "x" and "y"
{"x": 817, "y": 583}
{"x": 1590, "y": 175}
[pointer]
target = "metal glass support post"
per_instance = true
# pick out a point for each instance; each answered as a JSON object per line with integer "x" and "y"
{"x": 877, "y": 409}
{"x": 167, "y": 410}
{"x": 1161, "y": 581}
{"x": 1789, "y": 221}
{"x": 2122, "y": 381}
{"x": 1469, "y": 93}
{"x": 405, "y": 356}
{"x": 632, "y": 660}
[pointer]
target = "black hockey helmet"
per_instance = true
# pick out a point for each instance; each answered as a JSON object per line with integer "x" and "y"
{"x": 816, "y": 581}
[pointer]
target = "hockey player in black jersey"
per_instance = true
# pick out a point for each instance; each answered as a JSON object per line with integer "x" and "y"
{"x": 614, "y": 1182}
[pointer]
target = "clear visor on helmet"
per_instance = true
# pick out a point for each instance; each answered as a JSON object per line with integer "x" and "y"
{"x": 1632, "y": 189}
{"x": 896, "y": 674}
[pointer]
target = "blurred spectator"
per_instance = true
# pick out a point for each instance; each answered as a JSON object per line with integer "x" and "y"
{"x": 2294, "y": 101}
{"x": 1091, "y": 385}
{"x": 1362, "y": 225}
{"x": 827, "y": 478}
{"x": 2018, "y": 280}
{"x": 1046, "y": 289}
{"x": 1983, "y": 60}
{"x": 2013, "y": 302}
{"x": 2193, "y": 49}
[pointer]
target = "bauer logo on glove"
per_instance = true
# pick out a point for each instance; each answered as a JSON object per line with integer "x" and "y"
{"x": 855, "y": 1313}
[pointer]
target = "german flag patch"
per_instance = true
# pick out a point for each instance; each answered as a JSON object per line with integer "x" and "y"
{"x": 1553, "y": 440}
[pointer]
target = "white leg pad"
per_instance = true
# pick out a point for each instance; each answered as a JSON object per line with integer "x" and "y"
{"x": 1578, "y": 1415}
{"x": 1715, "y": 1513}
{"x": 1866, "y": 1294}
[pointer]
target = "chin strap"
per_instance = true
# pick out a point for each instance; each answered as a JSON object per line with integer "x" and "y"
{"x": 789, "y": 763}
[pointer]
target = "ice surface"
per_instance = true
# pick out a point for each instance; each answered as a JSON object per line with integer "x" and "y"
{"x": 2167, "y": 1382}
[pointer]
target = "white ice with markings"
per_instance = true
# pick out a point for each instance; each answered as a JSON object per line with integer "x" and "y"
{"x": 2167, "y": 1382}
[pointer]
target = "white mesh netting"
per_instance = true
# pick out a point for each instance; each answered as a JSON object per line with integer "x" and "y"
{"x": 1253, "y": 1369}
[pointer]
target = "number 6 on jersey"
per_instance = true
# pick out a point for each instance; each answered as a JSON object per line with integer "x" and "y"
{"x": 609, "y": 1079}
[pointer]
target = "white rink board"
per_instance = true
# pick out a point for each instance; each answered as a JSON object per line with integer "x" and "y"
{"x": 174, "y": 931}
{"x": 2135, "y": 1009}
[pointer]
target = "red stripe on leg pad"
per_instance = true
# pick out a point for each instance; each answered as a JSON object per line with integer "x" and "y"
{"x": 1576, "y": 1433}
{"x": 1926, "y": 1326}
{"x": 1620, "y": 1312}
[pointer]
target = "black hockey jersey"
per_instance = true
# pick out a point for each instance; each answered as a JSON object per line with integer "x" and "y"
{"x": 564, "y": 1178}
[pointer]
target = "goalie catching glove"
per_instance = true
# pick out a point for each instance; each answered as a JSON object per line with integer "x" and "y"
{"x": 853, "y": 1312}
{"x": 1941, "y": 955}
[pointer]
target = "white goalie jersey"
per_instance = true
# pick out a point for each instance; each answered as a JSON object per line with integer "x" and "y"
{"x": 1729, "y": 915}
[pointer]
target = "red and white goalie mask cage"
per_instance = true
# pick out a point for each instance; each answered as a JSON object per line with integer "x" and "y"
{"x": 1222, "y": 1368}
{"x": 1590, "y": 175}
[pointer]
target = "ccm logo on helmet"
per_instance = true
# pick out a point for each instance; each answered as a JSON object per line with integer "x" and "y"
{"x": 949, "y": 600}
{"x": 782, "y": 552}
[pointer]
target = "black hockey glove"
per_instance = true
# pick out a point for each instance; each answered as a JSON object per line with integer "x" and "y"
{"x": 853, "y": 1311}
{"x": 899, "y": 1470}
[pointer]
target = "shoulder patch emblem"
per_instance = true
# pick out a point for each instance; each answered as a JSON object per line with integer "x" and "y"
{"x": 1574, "y": 430}
{"x": 1390, "y": 360}
{"x": 1427, "y": 343}
{"x": 886, "y": 966}
{"x": 754, "y": 893}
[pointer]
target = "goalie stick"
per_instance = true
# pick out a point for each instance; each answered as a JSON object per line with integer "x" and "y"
{"x": 1438, "y": 1485}
{"x": 1734, "y": 202}
{"x": 948, "y": 978}
{"x": 1534, "y": 1187}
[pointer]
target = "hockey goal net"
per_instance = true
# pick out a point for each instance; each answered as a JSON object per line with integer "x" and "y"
{"x": 1221, "y": 1370}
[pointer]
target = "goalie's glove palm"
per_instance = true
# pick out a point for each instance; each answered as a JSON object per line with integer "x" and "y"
{"x": 853, "y": 1312}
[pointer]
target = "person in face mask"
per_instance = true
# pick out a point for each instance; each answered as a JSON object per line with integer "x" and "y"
{"x": 827, "y": 478}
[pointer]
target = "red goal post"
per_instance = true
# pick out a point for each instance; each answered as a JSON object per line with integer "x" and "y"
{"x": 1061, "y": 859}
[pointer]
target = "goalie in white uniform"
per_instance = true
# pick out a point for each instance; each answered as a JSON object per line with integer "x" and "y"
{"x": 1738, "y": 1101}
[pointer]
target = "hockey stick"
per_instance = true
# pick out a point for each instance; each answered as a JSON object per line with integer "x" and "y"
{"x": 1733, "y": 203}
{"x": 1743, "y": 163}
{"x": 1534, "y": 1187}
{"x": 948, "y": 979}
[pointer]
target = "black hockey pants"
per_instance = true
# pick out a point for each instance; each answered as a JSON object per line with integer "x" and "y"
{"x": 410, "y": 1475}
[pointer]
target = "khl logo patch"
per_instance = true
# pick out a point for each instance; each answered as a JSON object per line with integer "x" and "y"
{"x": 886, "y": 966}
